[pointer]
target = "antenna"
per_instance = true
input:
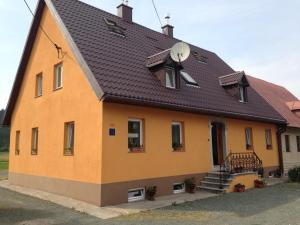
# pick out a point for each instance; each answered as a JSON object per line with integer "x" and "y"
{"x": 125, "y": 2}
{"x": 180, "y": 52}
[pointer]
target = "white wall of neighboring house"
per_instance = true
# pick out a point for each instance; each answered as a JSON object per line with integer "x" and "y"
{"x": 290, "y": 159}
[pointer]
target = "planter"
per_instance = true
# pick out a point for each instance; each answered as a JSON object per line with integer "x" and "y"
{"x": 190, "y": 185}
{"x": 239, "y": 188}
{"x": 259, "y": 184}
{"x": 150, "y": 193}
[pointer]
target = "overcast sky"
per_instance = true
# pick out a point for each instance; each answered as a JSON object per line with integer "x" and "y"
{"x": 261, "y": 37}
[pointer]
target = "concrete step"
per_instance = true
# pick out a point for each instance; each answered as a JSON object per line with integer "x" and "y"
{"x": 208, "y": 183}
{"x": 215, "y": 179}
{"x": 211, "y": 189}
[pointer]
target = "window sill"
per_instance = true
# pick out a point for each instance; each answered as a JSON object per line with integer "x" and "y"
{"x": 38, "y": 96}
{"x": 136, "y": 150}
{"x": 66, "y": 153}
{"x": 269, "y": 148}
{"x": 34, "y": 153}
{"x": 249, "y": 148}
{"x": 56, "y": 89}
{"x": 178, "y": 149}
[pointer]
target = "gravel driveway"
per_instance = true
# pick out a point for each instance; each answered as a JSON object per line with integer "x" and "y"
{"x": 279, "y": 204}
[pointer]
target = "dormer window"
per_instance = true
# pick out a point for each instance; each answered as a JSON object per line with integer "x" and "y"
{"x": 188, "y": 79}
{"x": 170, "y": 78}
{"x": 236, "y": 85}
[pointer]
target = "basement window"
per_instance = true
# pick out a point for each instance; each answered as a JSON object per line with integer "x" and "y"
{"x": 136, "y": 194}
{"x": 170, "y": 78}
{"x": 178, "y": 188}
{"x": 188, "y": 79}
{"x": 114, "y": 27}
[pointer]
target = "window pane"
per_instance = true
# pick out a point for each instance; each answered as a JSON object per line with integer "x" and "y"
{"x": 188, "y": 78}
{"x": 58, "y": 76}
{"x": 170, "y": 79}
{"x": 242, "y": 94}
{"x": 268, "y": 138}
{"x": 134, "y": 134}
{"x": 176, "y": 135}
{"x": 287, "y": 143}
{"x": 39, "y": 85}
{"x": 35, "y": 136}
{"x": 248, "y": 132}
{"x": 298, "y": 143}
{"x": 17, "y": 147}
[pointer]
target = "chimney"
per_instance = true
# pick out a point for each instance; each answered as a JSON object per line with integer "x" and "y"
{"x": 168, "y": 29}
{"x": 125, "y": 11}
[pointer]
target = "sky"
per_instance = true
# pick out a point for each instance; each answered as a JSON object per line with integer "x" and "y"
{"x": 261, "y": 37}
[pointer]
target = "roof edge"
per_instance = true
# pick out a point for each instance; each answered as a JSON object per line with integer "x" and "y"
{"x": 184, "y": 108}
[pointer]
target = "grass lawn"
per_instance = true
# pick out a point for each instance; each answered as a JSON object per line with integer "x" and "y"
{"x": 3, "y": 160}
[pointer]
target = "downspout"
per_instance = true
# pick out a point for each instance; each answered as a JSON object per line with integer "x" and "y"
{"x": 280, "y": 130}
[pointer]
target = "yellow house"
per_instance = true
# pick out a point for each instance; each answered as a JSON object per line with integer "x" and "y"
{"x": 100, "y": 111}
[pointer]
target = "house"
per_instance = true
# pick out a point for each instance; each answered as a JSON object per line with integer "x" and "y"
{"x": 101, "y": 111}
{"x": 288, "y": 106}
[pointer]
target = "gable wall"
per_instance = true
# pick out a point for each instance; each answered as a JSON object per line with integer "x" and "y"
{"x": 76, "y": 101}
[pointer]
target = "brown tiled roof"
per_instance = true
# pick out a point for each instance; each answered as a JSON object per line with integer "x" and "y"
{"x": 277, "y": 96}
{"x": 233, "y": 78}
{"x": 118, "y": 66}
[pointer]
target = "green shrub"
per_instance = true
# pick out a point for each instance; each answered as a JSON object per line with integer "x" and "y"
{"x": 294, "y": 174}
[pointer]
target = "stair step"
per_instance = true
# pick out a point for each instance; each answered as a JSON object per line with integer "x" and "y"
{"x": 215, "y": 183}
{"x": 216, "y": 178}
{"x": 212, "y": 189}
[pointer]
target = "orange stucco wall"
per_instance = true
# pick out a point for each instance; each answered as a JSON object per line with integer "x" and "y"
{"x": 76, "y": 101}
{"x": 159, "y": 160}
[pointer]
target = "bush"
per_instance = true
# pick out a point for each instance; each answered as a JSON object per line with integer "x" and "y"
{"x": 190, "y": 184}
{"x": 151, "y": 192}
{"x": 294, "y": 174}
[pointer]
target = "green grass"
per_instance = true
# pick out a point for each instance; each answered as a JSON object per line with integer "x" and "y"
{"x": 3, "y": 160}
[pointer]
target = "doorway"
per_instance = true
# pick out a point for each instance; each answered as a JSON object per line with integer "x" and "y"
{"x": 218, "y": 143}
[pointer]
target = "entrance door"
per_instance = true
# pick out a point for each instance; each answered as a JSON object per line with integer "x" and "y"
{"x": 217, "y": 136}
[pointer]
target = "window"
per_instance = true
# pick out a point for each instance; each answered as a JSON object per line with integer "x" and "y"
{"x": 136, "y": 194}
{"x": 17, "y": 144}
{"x": 39, "y": 85}
{"x": 177, "y": 136}
{"x": 243, "y": 95}
{"x": 170, "y": 79}
{"x": 135, "y": 134}
{"x": 178, "y": 188}
{"x": 58, "y": 76}
{"x": 268, "y": 138}
{"x": 200, "y": 58}
{"x": 249, "y": 138}
{"x": 287, "y": 143}
{"x": 298, "y": 143}
{"x": 34, "y": 141}
{"x": 69, "y": 138}
{"x": 114, "y": 27}
{"x": 188, "y": 79}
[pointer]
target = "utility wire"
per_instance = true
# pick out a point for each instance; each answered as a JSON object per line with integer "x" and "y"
{"x": 157, "y": 13}
{"x": 42, "y": 29}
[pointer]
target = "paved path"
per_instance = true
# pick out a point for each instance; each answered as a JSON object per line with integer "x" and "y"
{"x": 112, "y": 211}
{"x": 276, "y": 205}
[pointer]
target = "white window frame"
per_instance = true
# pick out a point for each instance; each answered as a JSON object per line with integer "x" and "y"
{"x": 137, "y": 198}
{"x": 179, "y": 191}
{"x": 180, "y": 131}
{"x": 141, "y": 130}
{"x": 169, "y": 84}
{"x": 56, "y": 86}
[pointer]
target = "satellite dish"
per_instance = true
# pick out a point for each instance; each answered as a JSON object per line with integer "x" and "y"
{"x": 180, "y": 52}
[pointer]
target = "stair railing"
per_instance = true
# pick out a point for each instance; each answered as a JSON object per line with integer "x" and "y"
{"x": 243, "y": 162}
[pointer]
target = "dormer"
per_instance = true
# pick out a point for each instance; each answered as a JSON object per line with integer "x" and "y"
{"x": 294, "y": 106}
{"x": 165, "y": 69}
{"x": 236, "y": 85}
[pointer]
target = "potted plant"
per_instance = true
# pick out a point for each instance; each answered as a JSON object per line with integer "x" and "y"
{"x": 239, "y": 188}
{"x": 190, "y": 185}
{"x": 259, "y": 184}
{"x": 151, "y": 192}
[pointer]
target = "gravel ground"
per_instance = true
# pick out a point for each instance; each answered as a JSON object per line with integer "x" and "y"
{"x": 279, "y": 204}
